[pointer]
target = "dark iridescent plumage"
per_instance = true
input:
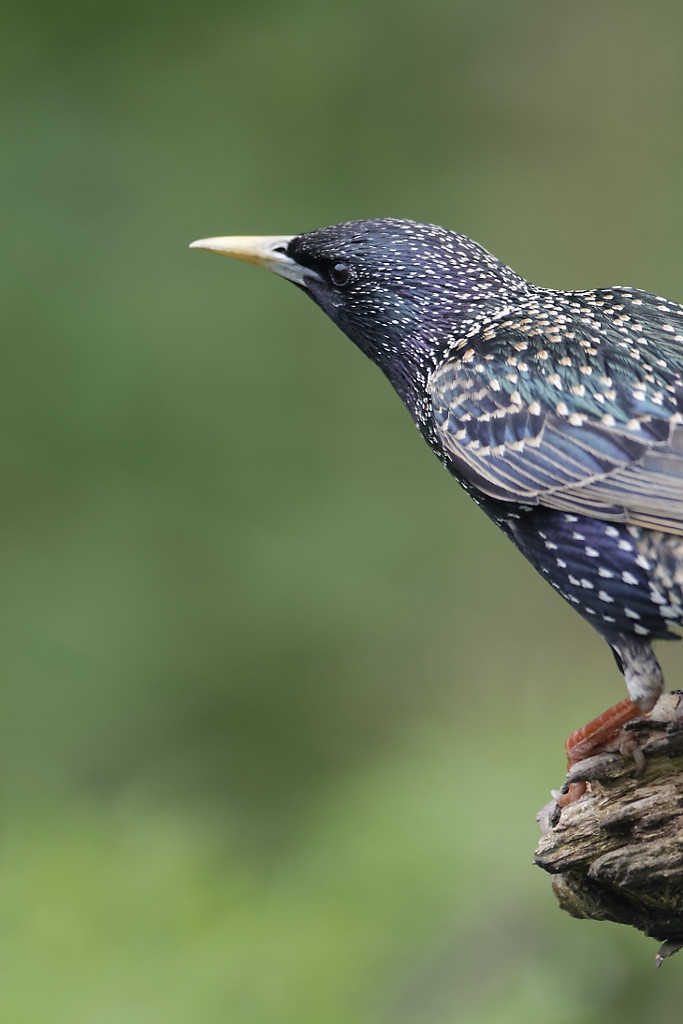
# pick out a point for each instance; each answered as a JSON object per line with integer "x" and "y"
{"x": 561, "y": 413}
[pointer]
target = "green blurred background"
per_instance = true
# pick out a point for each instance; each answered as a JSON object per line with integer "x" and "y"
{"x": 279, "y": 705}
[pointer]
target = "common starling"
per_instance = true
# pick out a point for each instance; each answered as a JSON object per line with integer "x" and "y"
{"x": 559, "y": 412}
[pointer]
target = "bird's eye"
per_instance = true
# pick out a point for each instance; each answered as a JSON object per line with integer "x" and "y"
{"x": 340, "y": 274}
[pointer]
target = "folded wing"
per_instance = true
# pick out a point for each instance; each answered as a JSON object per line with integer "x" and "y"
{"x": 605, "y": 439}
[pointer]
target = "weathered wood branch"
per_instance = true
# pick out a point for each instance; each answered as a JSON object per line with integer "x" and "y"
{"x": 616, "y": 854}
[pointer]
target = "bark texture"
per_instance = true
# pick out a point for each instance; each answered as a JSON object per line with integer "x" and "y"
{"x": 616, "y": 854}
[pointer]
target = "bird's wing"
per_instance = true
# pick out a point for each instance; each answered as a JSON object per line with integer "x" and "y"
{"x": 593, "y": 429}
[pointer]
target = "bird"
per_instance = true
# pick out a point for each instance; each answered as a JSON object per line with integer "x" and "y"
{"x": 560, "y": 413}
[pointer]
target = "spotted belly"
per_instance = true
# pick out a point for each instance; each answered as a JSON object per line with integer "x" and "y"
{"x": 622, "y": 579}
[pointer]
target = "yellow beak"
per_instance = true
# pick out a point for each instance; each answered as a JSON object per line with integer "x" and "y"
{"x": 269, "y": 251}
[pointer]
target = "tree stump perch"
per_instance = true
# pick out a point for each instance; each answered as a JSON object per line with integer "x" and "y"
{"x": 616, "y": 854}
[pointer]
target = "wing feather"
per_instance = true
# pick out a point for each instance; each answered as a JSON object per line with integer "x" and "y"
{"x": 515, "y": 439}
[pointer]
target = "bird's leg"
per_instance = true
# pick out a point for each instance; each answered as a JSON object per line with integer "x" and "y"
{"x": 645, "y": 682}
{"x": 586, "y": 741}
{"x": 590, "y": 737}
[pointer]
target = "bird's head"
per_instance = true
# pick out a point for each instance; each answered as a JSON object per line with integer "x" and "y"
{"x": 400, "y": 290}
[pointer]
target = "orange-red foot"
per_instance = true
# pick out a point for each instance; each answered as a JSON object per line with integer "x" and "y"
{"x": 589, "y": 739}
